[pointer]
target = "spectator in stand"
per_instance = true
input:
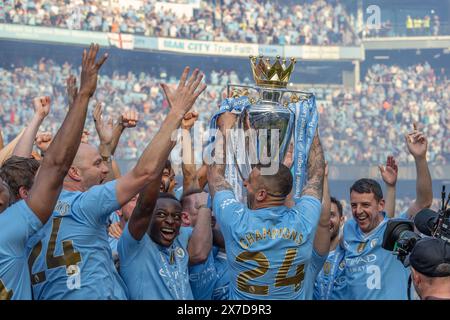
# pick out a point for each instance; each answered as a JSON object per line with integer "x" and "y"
{"x": 254, "y": 21}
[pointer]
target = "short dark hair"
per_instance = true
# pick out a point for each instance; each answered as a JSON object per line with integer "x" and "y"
{"x": 166, "y": 195}
{"x": 19, "y": 171}
{"x": 168, "y": 165}
{"x": 338, "y": 205}
{"x": 278, "y": 184}
{"x": 367, "y": 186}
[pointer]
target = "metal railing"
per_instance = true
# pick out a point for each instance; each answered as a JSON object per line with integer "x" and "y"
{"x": 400, "y": 30}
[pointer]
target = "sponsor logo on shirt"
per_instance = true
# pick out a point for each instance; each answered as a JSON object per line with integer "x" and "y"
{"x": 225, "y": 203}
{"x": 179, "y": 252}
{"x": 62, "y": 207}
{"x": 361, "y": 247}
{"x": 326, "y": 268}
{"x": 361, "y": 260}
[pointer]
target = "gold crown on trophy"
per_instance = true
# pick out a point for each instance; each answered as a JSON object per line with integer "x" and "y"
{"x": 271, "y": 75}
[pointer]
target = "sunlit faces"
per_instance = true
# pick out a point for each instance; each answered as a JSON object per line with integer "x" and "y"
{"x": 166, "y": 221}
{"x": 91, "y": 170}
{"x": 366, "y": 210}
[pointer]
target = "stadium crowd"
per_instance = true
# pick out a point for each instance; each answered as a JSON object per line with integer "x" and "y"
{"x": 315, "y": 23}
{"x": 425, "y": 25}
{"x": 365, "y": 124}
{"x": 361, "y": 126}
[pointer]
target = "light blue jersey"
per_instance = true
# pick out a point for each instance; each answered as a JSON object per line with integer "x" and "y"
{"x": 314, "y": 267}
{"x": 221, "y": 287}
{"x": 329, "y": 280}
{"x": 372, "y": 272}
{"x": 268, "y": 249}
{"x": 202, "y": 278}
{"x": 154, "y": 272}
{"x": 71, "y": 257}
{"x": 209, "y": 280}
{"x": 17, "y": 224}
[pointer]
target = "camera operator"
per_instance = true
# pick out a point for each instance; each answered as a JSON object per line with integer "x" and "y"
{"x": 430, "y": 265}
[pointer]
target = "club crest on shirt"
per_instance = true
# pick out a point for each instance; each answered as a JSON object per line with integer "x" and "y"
{"x": 361, "y": 247}
{"x": 342, "y": 265}
{"x": 373, "y": 243}
{"x": 179, "y": 252}
{"x": 326, "y": 268}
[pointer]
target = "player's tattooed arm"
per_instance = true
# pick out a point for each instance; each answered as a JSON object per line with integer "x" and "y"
{"x": 216, "y": 171}
{"x": 316, "y": 170}
{"x": 216, "y": 179}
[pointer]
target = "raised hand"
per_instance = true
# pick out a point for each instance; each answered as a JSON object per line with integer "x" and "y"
{"x": 72, "y": 89}
{"x": 85, "y": 136}
{"x": 104, "y": 129}
{"x": 417, "y": 143}
{"x": 89, "y": 70}
{"x": 189, "y": 120}
{"x": 389, "y": 173}
{"x": 43, "y": 140}
{"x": 182, "y": 99}
{"x": 129, "y": 119}
{"x": 42, "y": 106}
{"x": 226, "y": 120}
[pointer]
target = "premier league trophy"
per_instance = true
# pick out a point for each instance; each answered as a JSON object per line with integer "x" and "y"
{"x": 267, "y": 124}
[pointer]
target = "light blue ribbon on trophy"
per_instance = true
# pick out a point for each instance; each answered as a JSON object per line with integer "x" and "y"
{"x": 235, "y": 105}
{"x": 306, "y": 120}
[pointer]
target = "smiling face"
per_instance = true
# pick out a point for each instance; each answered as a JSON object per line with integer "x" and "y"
{"x": 366, "y": 210}
{"x": 166, "y": 221}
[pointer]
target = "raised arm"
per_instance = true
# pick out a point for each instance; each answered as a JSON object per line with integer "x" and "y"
{"x": 105, "y": 134}
{"x": 316, "y": 170}
{"x": 109, "y": 136}
{"x": 61, "y": 152}
{"x": 389, "y": 174}
{"x": 417, "y": 145}
{"x": 202, "y": 175}
{"x": 200, "y": 243}
{"x": 25, "y": 145}
{"x": 322, "y": 237}
{"x": 42, "y": 141}
{"x": 190, "y": 179}
{"x": 218, "y": 239}
{"x": 216, "y": 171}
{"x": 7, "y": 151}
{"x": 127, "y": 119}
{"x": 148, "y": 170}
